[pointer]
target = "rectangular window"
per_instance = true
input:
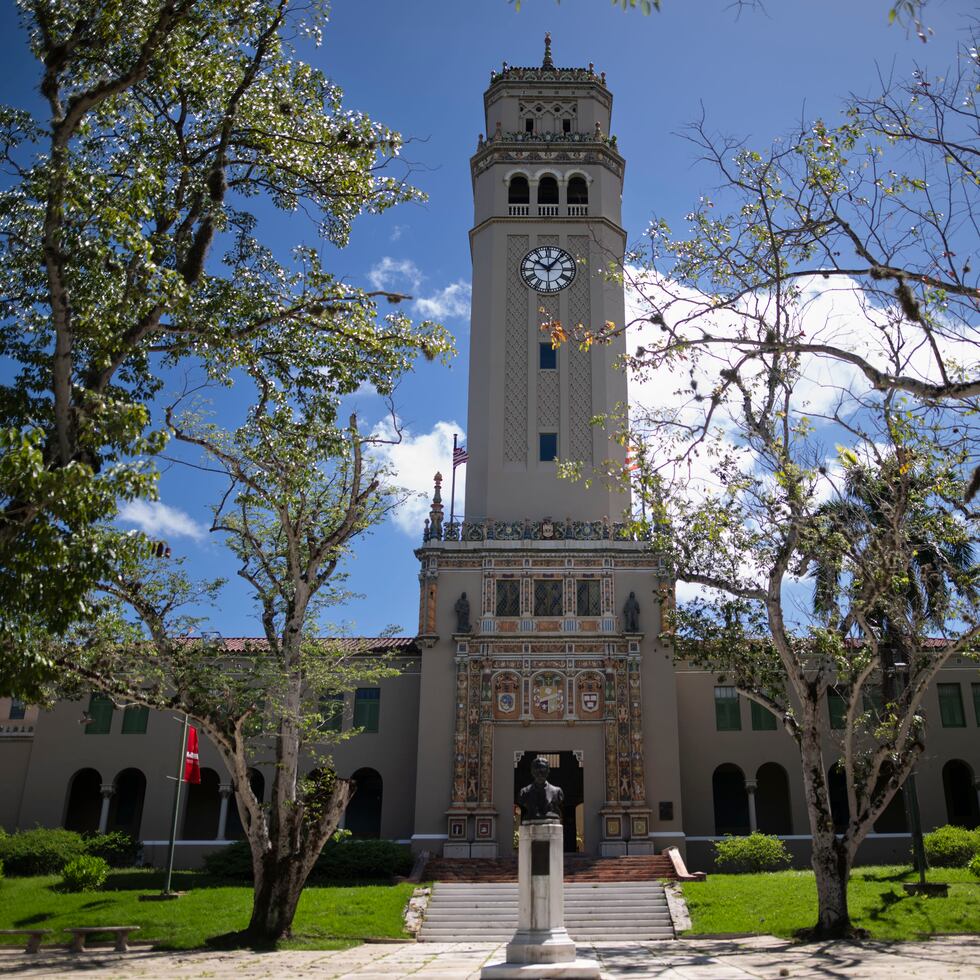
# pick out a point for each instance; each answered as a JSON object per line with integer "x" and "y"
{"x": 763, "y": 720}
{"x": 100, "y": 715}
{"x": 547, "y": 446}
{"x": 976, "y": 703}
{"x": 367, "y": 708}
{"x": 727, "y": 716}
{"x": 587, "y": 597}
{"x": 836, "y": 708}
{"x": 951, "y": 706}
{"x": 508, "y": 597}
{"x": 332, "y": 713}
{"x": 135, "y": 717}
{"x": 529, "y": 125}
{"x": 548, "y": 597}
{"x": 17, "y": 710}
{"x": 566, "y": 125}
{"x": 547, "y": 357}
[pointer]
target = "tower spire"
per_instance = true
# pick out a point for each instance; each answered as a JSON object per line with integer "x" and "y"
{"x": 547, "y": 63}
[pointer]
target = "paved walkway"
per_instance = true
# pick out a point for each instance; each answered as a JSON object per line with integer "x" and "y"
{"x": 759, "y": 958}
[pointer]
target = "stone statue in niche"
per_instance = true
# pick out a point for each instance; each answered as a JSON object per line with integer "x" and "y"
{"x": 462, "y": 608}
{"x": 540, "y": 800}
{"x": 631, "y": 615}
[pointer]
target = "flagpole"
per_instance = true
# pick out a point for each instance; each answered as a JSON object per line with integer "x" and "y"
{"x": 173, "y": 822}
{"x": 452, "y": 492}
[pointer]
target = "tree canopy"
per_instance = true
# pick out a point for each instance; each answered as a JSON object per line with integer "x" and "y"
{"x": 130, "y": 244}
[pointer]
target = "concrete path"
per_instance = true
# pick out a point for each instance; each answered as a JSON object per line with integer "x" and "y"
{"x": 761, "y": 958}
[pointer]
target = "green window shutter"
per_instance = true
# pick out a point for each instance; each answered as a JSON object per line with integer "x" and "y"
{"x": 762, "y": 720}
{"x": 367, "y": 708}
{"x": 836, "y": 708}
{"x": 951, "y": 706}
{"x": 134, "y": 720}
{"x": 332, "y": 710}
{"x": 976, "y": 702}
{"x": 100, "y": 712}
{"x": 727, "y": 716}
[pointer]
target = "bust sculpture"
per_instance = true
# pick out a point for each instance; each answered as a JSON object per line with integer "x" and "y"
{"x": 540, "y": 800}
{"x": 631, "y": 615}
{"x": 462, "y": 608}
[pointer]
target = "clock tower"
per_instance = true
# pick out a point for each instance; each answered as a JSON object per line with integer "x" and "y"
{"x": 539, "y": 613}
{"x": 547, "y": 188}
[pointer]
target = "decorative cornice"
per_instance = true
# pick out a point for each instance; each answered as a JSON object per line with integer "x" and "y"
{"x": 528, "y": 530}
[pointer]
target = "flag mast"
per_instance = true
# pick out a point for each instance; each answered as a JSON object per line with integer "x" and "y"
{"x": 173, "y": 823}
{"x": 460, "y": 456}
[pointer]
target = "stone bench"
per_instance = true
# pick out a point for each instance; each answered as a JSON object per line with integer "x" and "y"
{"x": 81, "y": 933}
{"x": 34, "y": 937}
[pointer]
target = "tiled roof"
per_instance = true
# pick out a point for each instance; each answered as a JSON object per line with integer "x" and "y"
{"x": 349, "y": 644}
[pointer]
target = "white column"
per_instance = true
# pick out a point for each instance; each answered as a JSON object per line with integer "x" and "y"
{"x": 225, "y": 790}
{"x": 106, "y": 789}
{"x": 750, "y": 788}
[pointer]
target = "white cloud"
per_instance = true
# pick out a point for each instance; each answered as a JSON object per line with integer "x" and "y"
{"x": 159, "y": 520}
{"x": 414, "y": 461}
{"x": 397, "y": 232}
{"x": 453, "y": 301}
{"x": 395, "y": 274}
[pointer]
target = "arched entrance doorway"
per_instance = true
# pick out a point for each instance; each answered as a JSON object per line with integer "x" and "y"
{"x": 961, "y": 794}
{"x": 566, "y": 772}
{"x": 84, "y": 802}
{"x": 363, "y": 817}
{"x": 203, "y": 807}
{"x": 126, "y": 808}
{"x": 773, "y": 813}
{"x": 730, "y": 799}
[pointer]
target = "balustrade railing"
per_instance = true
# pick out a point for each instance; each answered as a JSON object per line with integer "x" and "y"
{"x": 518, "y": 210}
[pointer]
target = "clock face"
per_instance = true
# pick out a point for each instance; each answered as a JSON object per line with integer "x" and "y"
{"x": 547, "y": 269}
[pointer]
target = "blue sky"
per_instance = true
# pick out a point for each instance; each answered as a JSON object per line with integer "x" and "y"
{"x": 421, "y": 67}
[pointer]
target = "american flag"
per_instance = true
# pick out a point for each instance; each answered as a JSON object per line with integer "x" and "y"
{"x": 460, "y": 456}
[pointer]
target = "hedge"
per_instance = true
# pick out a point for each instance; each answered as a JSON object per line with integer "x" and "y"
{"x": 344, "y": 860}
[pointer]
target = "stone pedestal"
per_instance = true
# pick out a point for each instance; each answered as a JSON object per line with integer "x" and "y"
{"x": 541, "y": 947}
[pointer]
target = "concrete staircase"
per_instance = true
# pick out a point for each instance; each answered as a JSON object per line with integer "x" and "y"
{"x": 578, "y": 867}
{"x": 594, "y": 910}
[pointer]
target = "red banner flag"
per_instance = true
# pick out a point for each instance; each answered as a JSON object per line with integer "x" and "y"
{"x": 192, "y": 761}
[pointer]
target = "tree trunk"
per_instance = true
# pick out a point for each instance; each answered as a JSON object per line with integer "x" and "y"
{"x": 276, "y": 895}
{"x": 831, "y": 868}
{"x": 829, "y": 855}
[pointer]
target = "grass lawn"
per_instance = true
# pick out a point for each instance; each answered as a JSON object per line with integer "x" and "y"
{"x": 783, "y": 902}
{"x": 328, "y": 917}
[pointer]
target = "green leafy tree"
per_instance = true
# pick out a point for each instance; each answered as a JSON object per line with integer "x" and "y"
{"x": 301, "y": 491}
{"x": 749, "y": 542}
{"x": 128, "y": 244}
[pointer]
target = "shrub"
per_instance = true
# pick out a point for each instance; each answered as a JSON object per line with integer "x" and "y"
{"x": 343, "y": 860}
{"x": 973, "y": 866}
{"x": 230, "y": 861}
{"x": 350, "y": 860}
{"x": 85, "y": 873}
{"x": 118, "y": 848}
{"x": 951, "y": 847}
{"x": 1, "y": 872}
{"x": 745, "y": 855}
{"x": 40, "y": 851}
